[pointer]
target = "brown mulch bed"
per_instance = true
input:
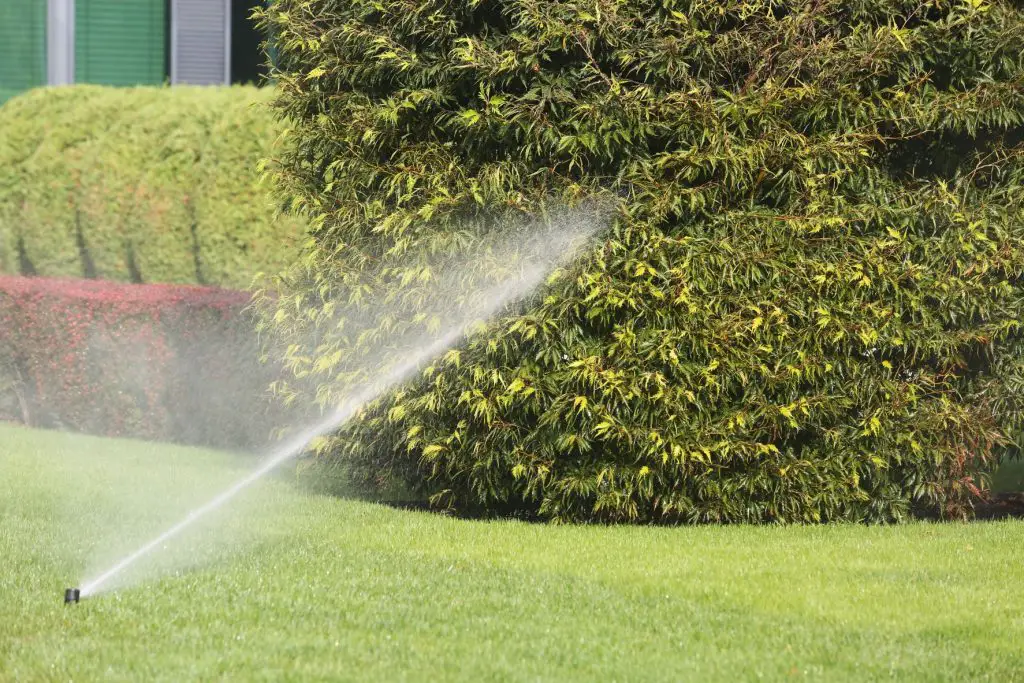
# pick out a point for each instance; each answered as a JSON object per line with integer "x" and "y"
{"x": 1001, "y": 506}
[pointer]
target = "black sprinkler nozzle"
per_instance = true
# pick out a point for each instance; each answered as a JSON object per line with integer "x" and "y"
{"x": 72, "y": 595}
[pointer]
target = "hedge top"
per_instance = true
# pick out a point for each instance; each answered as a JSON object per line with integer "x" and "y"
{"x": 139, "y": 296}
{"x": 141, "y": 184}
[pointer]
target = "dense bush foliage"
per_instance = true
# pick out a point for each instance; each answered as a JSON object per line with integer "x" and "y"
{"x": 161, "y": 362}
{"x": 808, "y": 306}
{"x": 140, "y": 185}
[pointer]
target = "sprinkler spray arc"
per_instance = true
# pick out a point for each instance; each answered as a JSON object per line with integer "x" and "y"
{"x": 496, "y": 298}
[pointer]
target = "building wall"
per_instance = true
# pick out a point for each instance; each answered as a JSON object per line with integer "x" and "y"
{"x": 22, "y": 46}
{"x": 127, "y": 42}
{"x": 120, "y": 42}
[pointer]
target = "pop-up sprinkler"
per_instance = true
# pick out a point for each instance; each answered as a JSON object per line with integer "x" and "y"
{"x": 72, "y": 595}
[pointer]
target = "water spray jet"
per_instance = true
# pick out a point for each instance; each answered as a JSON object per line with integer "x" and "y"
{"x": 561, "y": 245}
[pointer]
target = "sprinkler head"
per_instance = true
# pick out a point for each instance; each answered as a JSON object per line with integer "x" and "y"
{"x": 72, "y": 595}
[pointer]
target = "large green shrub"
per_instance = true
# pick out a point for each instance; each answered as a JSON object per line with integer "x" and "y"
{"x": 808, "y": 306}
{"x": 141, "y": 184}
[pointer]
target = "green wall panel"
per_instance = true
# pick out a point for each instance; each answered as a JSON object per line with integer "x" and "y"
{"x": 120, "y": 42}
{"x": 22, "y": 46}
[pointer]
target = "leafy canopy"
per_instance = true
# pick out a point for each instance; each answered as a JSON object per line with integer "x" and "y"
{"x": 808, "y": 306}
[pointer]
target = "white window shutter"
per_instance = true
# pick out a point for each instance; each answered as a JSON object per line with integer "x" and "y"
{"x": 201, "y": 41}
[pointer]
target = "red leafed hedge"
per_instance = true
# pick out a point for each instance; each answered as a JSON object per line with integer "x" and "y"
{"x": 171, "y": 363}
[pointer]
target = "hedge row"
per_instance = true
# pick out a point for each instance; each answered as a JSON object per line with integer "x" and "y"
{"x": 809, "y": 305}
{"x": 171, "y": 363}
{"x": 140, "y": 185}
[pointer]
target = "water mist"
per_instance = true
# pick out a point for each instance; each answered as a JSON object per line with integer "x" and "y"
{"x": 529, "y": 255}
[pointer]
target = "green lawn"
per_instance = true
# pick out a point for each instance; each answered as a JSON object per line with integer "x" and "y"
{"x": 288, "y": 586}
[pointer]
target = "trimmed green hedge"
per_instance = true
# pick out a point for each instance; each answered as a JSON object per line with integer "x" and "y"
{"x": 140, "y": 184}
{"x": 809, "y": 306}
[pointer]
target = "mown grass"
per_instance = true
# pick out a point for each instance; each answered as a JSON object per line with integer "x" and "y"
{"x": 290, "y": 586}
